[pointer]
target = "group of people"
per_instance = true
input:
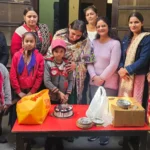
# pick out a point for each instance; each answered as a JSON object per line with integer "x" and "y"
{"x": 77, "y": 59}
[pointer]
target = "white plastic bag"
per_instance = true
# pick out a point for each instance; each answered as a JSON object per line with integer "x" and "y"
{"x": 98, "y": 108}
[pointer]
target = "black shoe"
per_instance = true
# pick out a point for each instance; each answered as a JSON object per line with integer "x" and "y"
{"x": 120, "y": 143}
{"x": 48, "y": 144}
{"x": 14, "y": 147}
{"x": 0, "y": 131}
{"x": 3, "y": 139}
{"x": 92, "y": 138}
{"x": 69, "y": 139}
{"x": 104, "y": 140}
{"x": 60, "y": 146}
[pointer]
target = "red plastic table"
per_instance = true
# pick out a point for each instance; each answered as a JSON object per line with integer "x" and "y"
{"x": 56, "y": 127}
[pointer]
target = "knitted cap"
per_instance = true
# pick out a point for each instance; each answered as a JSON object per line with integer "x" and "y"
{"x": 58, "y": 43}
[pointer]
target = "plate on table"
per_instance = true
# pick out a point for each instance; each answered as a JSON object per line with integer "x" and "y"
{"x": 84, "y": 121}
{"x": 125, "y": 104}
{"x": 98, "y": 121}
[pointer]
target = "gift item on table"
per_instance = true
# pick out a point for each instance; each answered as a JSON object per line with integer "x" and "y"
{"x": 34, "y": 108}
{"x": 127, "y": 112}
{"x": 98, "y": 108}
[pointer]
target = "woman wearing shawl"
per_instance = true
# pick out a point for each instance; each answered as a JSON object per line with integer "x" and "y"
{"x": 79, "y": 53}
{"x": 31, "y": 25}
{"x": 134, "y": 63}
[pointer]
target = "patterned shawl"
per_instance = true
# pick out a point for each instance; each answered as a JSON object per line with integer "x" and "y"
{"x": 81, "y": 53}
{"x": 43, "y": 36}
{"x": 126, "y": 86}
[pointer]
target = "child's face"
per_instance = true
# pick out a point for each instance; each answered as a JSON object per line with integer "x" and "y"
{"x": 29, "y": 42}
{"x": 59, "y": 53}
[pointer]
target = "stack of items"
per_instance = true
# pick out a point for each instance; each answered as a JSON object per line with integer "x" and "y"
{"x": 84, "y": 123}
{"x": 127, "y": 112}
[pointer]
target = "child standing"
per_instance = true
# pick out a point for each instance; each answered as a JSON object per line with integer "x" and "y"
{"x": 26, "y": 71}
{"x": 58, "y": 81}
{"x": 5, "y": 96}
{"x": 56, "y": 77}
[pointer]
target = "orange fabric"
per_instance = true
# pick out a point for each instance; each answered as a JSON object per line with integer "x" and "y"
{"x": 34, "y": 108}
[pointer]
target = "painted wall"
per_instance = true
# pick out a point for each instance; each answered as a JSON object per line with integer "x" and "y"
{"x": 46, "y": 12}
{"x": 73, "y": 10}
{"x": 109, "y": 1}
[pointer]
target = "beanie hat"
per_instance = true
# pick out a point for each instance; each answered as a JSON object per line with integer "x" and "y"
{"x": 58, "y": 43}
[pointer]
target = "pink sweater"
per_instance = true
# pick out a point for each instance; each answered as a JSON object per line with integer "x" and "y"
{"x": 107, "y": 60}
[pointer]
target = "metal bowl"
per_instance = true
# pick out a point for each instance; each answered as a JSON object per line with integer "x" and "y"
{"x": 123, "y": 103}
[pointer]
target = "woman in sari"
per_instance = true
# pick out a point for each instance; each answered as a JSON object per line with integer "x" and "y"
{"x": 79, "y": 53}
{"x": 134, "y": 63}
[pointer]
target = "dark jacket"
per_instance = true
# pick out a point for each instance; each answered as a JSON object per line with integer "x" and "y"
{"x": 4, "y": 54}
{"x": 142, "y": 58}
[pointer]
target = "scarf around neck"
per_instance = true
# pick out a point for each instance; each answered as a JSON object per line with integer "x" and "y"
{"x": 30, "y": 66}
{"x": 126, "y": 87}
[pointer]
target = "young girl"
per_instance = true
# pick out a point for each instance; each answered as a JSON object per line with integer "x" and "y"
{"x": 26, "y": 71}
{"x": 59, "y": 81}
{"x": 5, "y": 96}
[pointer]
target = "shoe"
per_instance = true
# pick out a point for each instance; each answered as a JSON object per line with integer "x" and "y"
{"x": 92, "y": 138}
{"x": 120, "y": 143}
{"x": 48, "y": 144}
{"x": 104, "y": 140}
{"x": 3, "y": 139}
{"x": 69, "y": 139}
{"x": 14, "y": 147}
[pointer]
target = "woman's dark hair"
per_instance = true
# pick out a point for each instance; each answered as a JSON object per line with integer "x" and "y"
{"x": 80, "y": 26}
{"x": 140, "y": 18}
{"x": 26, "y": 10}
{"x": 90, "y": 7}
{"x": 31, "y": 33}
{"x": 111, "y": 33}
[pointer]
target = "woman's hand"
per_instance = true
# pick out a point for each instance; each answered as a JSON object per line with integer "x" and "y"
{"x": 148, "y": 77}
{"x": 97, "y": 81}
{"x": 71, "y": 66}
{"x": 21, "y": 94}
{"x": 123, "y": 73}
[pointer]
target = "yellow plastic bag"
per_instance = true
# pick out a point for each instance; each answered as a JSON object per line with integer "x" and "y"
{"x": 34, "y": 108}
